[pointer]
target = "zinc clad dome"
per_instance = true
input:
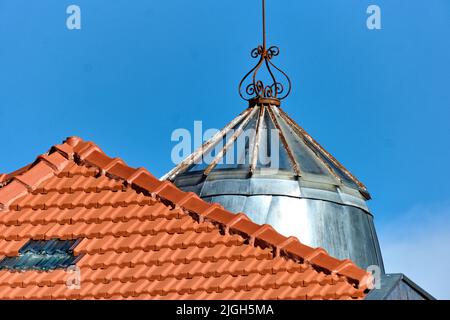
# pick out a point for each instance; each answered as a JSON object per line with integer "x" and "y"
{"x": 264, "y": 164}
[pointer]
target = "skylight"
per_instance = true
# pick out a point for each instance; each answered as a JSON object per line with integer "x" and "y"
{"x": 44, "y": 255}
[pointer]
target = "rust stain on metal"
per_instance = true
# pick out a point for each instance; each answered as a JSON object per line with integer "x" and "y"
{"x": 257, "y": 137}
{"x": 194, "y": 157}
{"x": 294, "y": 163}
{"x": 326, "y": 153}
{"x": 301, "y": 136}
{"x": 222, "y": 152}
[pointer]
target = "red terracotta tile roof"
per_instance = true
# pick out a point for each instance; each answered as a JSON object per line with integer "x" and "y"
{"x": 146, "y": 239}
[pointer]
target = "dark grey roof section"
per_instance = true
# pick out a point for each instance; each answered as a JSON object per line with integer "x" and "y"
{"x": 397, "y": 286}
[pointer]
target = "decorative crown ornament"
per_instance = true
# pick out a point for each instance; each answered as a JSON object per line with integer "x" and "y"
{"x": 256, "y": 91}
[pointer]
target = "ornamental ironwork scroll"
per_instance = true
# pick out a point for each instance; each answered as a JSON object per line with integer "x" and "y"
{"x": 252, "y": 86}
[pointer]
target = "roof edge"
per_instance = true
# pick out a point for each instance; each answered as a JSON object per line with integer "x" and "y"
{"x": 88, "y": 153}
{"x": 390, "y": 282}
{"x": 26, "y": 179}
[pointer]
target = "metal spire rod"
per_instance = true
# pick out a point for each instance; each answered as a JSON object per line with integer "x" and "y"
{"x": 256, "y": 91}
{"x": 264, "y": 23}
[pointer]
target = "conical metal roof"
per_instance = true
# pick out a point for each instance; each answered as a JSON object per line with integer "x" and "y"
{"x": 264, "y": 164}
{"x": 264, "y": 141}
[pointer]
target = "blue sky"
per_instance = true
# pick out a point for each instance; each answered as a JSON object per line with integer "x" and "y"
{"x": 378, "y": 100}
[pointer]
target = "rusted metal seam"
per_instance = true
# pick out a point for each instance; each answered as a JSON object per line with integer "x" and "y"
{"x": 191, "y": 159}
{"x": 294, "y": 163}
{"x": 257, "y": 137}
{"x": 327, "y": 154}
{"x": 222, "y": 152}
{"x": 277, "y": 113}
{"x": 300, "y": 135}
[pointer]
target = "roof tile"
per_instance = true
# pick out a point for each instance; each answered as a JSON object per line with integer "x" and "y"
{"x": 10, "y": 193}
{"x": 120, "y": 169}
{"x": 219, "y": 214}
{"x": 55, "y": 160}
{"x": 85, "y": 149}
{"x": 296, "y": 249}
{"x": 146, "y": 182}
{"x": 97, "y": 158}
{"x": 38, "y": 173}
{"x": 194, "y": 204}
{"x": 244, "y": 226}
{"x": 65, "y": 150}
{"x": 270, "y": 236}
{"x": 10, "y": 248}
{"x": 169, "y": 191}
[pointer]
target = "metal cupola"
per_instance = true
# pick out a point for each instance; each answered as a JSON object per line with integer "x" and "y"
{"x": 266, "y": 165}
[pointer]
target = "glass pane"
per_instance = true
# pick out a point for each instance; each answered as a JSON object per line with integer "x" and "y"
{"x": 338, "y": 171}
{"x": 42, "y": 255}
{"x": 272, "y": 153}
{"x": 208, "y": 156}
{"x": 306, "y": 159}
{"x": 239, "y": 153}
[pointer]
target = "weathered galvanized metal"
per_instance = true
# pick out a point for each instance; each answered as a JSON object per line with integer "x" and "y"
{"x": 307, "y": 194}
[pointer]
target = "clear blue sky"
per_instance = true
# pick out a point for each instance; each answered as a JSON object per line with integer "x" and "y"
{"x": 378, "y": 100}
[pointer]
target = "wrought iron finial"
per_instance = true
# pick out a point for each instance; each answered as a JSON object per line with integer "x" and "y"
{"x": 258, "y": 92}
